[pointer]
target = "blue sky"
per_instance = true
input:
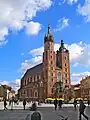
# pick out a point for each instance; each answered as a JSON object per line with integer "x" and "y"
{"x": 22, "y": 28}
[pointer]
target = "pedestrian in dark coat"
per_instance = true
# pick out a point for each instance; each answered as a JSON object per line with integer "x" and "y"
{"x": 55, "y": 103}
{"x": 75, "y": 104}
{"x": 24, "y": 103}
{"x": 60, "y": 103}
{"x": 81, "y": 110}
{"x": 5, "y": 104}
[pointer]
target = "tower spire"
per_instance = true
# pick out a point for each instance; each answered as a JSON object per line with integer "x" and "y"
{"x": 48, "y": 28}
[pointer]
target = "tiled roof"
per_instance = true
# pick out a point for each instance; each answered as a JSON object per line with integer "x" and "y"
{"x": 36, "y": 69}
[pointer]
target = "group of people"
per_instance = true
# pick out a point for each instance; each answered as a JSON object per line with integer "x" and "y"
{"x": 11, "y": 101}
{"x": 81, "y": 107}
{"x": 57, "y": 103}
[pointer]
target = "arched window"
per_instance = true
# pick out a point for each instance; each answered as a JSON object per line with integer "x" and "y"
{"x": 36, "y": 94}
{"x": 59, "y": 76}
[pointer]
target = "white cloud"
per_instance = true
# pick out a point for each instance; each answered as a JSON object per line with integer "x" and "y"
{"x": 85, "y": 10}
{"x": 30, "y": 63}
{"x": 33, "y": 28}
{"x": 70, "y": 2}
{"x": 77, "y": 77}
{"x": 62, "y": 23}
{"x": 15, "y": 84}
{"x": 15, "y": 13}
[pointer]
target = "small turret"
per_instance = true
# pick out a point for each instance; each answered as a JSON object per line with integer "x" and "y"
{"x": 62, "y": 47}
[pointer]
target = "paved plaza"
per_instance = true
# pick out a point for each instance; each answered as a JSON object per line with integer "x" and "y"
{"x": 48, "y": 113}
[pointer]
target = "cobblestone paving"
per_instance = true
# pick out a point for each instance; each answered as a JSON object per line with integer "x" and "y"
{"x": 47, "y": 113}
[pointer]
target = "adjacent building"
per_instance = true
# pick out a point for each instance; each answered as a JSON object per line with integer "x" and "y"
{"x": 42, "y": 80}
{"x": 85, "y": 87}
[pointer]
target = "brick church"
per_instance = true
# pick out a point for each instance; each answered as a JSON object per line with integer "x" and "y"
{"x": 41, "y": 81}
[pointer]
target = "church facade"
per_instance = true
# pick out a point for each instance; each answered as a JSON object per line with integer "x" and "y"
{"x": 41, "y": 81}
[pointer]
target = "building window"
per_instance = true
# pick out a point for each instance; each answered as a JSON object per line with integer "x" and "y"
{"x": 51, "y": 57}
{"x": 65, "y": 69}
{"x": 51, "y": 68}
{"x": 52, "y": 74}
{"x": 66, "y": 81}
{"x": 65, "y": 57}
{"x": 65, "y": 64}
{"x": 51, "y": 62}
{"x": 31, "y": 93}
{"x": 65, "y": 75}
{"x": 31, "y": 79}
{"x": 36, "y": 94}
{"x": 52, "y": 79}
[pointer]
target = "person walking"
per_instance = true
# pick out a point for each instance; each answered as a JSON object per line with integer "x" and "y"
{"x": 75, "y": 104}
{"x": 24, "y": 103}
{"x": 5, "y": 104}
{"x": 60, "y": 103}
{"x": 81, "y": 110}
{"x": 55, "y": 103}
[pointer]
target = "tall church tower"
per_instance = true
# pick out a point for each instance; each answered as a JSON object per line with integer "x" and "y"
{"x": 62, "y": 60}
{"x": 49, "y": 62}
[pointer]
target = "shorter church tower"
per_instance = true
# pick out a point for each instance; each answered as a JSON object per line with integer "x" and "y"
{"x": 63, "y": 62}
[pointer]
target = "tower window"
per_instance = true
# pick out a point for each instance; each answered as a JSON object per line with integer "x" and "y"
{"x": 65, "y": 75}
{"x": 65, "y": 64}
{"x": 51, "y": 68}
{"x": 51, "y": 57}
{"x": 65, "y": 58}
{"x": 65, "y": 69}
{"x": 66, "y": 81}
{"x": 51, "y": 62}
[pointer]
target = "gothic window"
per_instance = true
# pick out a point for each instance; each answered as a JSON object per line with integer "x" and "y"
{"x": 66, "y": 81}
{"x": 65, "y": 69}
{"x": 51, "y": 62}
{"x": 31, "y": 79}
{"x": 59, "y": 76}
{"x": 65, "y": 57}
{"x": 65, "y": 64}
{"x": 65, "y": 75}
{"x": 28, "y": 80}
{"x": 51, "y": 68}
{"x": 36, "y": 95}
{"x": 31, "y": 93}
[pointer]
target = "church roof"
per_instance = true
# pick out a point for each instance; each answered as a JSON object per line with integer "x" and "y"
{"x": 36, "y": 69}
